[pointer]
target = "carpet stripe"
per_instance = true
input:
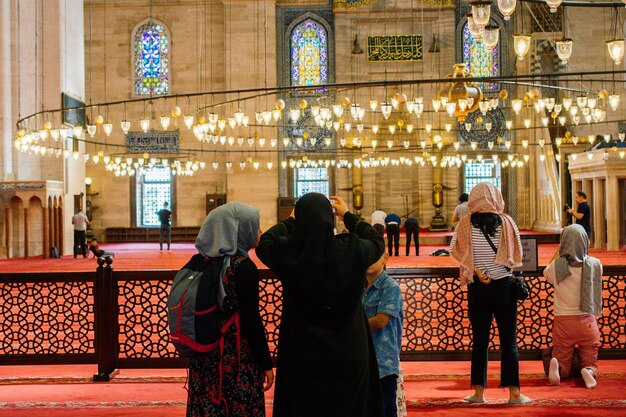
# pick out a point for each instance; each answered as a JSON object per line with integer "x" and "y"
{"x": 455, "y": 403}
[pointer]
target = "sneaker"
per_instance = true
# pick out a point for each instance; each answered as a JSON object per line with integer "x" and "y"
{"x": 473, "y": 399}
{"x": 590, "y": 381}
{"x": 521, "y": 400}
{"x": 553, "y": 375}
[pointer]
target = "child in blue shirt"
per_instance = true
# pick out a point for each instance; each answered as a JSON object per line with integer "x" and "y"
{"x": 383, "y": 307}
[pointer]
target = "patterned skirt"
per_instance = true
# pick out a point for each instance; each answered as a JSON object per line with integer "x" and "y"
{"x": 230, "y": 386}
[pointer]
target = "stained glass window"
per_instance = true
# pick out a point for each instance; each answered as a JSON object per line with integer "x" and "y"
{"x": 309, "y": 180}
{"x": 151, "y": 59}
{"x": 481, "y": 60}
{"x": 153, "y": 189}
{"x": 309, "y": 54}
{"x": 476, "y": 172}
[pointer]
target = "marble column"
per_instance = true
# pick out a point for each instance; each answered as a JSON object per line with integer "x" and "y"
{"x": 613, "y": 213}
{"x": 598, "y": 216}
{"x": 7, "y": 96}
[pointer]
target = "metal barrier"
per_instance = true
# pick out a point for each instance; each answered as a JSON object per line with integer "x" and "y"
{"x": 119, "y": 320}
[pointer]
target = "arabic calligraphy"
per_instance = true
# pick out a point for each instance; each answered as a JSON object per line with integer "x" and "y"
{"x": 390, "y": 48}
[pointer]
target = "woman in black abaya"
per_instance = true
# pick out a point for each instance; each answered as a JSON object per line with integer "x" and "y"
{"x": 326, "y": 361}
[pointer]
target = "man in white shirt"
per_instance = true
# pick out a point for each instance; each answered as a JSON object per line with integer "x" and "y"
{"x": 378, "y": 221}
{"x": 80, "y": 222}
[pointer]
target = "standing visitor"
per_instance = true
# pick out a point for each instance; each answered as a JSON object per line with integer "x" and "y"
{"x": 378, "y": 221}
{"x": 577, "y": 280}
{"x": 326, "y": 363}
{"x": 230, "y": 381}
{"x": 582, "y": 213}
{"x": 460, "y": 210}
{"x": 392, "y": 222}
{"x": 165, "y": 233}
{"x": 383, "y": 306}
{"x": 491, "y": 291}
{"x": 80, "y": 222}
{"x": 412, "y": 230}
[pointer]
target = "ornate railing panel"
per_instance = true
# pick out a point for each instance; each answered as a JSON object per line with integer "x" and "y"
{"x": 47, "y": 315}
{"x": 119, "y": 319}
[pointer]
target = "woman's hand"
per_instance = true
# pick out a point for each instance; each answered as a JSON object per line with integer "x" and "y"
{"x": 269, "y": 379}
{"x": 340, "y": 206}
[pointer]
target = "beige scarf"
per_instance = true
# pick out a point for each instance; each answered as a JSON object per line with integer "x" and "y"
{"x": 486, "y": 198}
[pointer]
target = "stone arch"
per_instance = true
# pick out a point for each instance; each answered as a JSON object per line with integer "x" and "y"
{"x": 15, "y": 228}
{"x": 543, "y": 48}
{"x": 34, "y": 233}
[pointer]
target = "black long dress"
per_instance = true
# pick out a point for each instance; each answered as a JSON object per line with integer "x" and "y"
{"x": 326, "y": 360}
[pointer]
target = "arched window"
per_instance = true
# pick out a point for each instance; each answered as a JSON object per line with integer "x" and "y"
{"x": 153, "y": 189}
{"x": 309, "y": 54}
{"x": 481, "y": 60}
{"x": 151, "y": 58}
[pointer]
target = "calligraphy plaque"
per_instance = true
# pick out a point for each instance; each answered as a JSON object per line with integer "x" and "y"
{"x": 393, "y": 48}
{"x": 152, "y": 142}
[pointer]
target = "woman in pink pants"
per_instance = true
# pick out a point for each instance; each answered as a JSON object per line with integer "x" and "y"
{"x": 577, "y": 280}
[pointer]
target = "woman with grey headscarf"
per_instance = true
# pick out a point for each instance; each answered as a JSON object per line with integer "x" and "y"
{"x": 230, "y": 381}
{"x": 577, "y": 280}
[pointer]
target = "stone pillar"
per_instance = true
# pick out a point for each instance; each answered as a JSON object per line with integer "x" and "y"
{"x": 612, "y": 213}
{"x": 44, "y": 232}
{"x": 598, "y": 216}
{"x": 26, "y": 239}
{"x": 8, "y": 224}
{"x": 7, "y": 96}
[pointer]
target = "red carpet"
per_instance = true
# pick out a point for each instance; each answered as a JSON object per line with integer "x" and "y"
{"x": 146, "y": 256}
{"x": 53, "y": 391}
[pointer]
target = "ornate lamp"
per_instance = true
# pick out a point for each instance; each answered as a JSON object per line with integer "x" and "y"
{"x": 564, "y": 48}
{"x": 554, "y": 4}
{"x": 491, "y": 35}
{"x": 507, "y": 7}
{"x": 461, "y": 92}
{"x": 521, "y": 45}
{"x": 616, "y": 50}
{"x": 481, "y": 12}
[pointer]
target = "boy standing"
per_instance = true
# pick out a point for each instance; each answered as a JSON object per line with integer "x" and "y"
{"x": 383, "y": 306}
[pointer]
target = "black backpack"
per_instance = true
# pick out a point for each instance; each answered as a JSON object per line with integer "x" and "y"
{"x": 196, "y": 319}
{"x": 54, "y": 252}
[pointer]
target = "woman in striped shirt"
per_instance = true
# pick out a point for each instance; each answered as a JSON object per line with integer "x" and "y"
{"x": 491, "y": 293}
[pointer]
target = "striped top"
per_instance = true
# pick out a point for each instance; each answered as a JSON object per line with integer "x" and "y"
{"x": 484, "y": 254}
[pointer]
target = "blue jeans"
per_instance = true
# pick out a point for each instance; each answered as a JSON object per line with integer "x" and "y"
{"x": 389, "y": 386}
{"x": 486, "y": 301}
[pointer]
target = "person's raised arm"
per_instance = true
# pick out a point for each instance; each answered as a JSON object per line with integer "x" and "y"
{"x": 266, "y": 249}
{"x": 374, "y": 242}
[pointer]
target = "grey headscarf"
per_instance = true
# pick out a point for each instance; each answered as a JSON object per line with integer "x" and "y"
{"x": 230, "y": 229}
{"x": 574, "y": 253}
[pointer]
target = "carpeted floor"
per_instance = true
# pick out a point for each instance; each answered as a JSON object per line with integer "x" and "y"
{"x": 55, "y": 391}
{"x": 146, "y": 256}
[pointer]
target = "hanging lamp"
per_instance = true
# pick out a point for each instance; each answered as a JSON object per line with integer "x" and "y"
{"x": 507, "y": 7}
{"x": 615, "y": 45}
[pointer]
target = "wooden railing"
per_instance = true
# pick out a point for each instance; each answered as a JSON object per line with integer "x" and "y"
{"x": 119, "y": 320}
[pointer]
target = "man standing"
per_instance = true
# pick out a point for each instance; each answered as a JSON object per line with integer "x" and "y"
{"x": 583, "y": 212}
{"x": 378, "y": 221}
{"x": 80, "y": 222}
{"x": 392, "y": 221}
{"x": 164, "y": 217}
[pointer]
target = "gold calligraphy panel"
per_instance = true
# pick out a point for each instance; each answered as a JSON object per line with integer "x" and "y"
{"x": 392, "y": 48}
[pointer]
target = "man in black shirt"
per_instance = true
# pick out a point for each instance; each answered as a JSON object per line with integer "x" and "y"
{"x": 164, "y": 217}
{"x": 583, "y": 212}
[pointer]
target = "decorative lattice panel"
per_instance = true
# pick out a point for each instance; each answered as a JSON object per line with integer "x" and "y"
{"x": 46, "y": 318}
